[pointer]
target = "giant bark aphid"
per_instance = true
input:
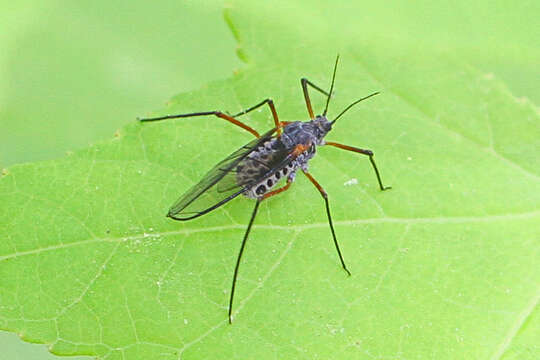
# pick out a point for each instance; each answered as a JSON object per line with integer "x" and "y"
{"x": 258, "y": 167}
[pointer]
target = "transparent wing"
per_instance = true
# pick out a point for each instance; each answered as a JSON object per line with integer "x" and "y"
{"x": 260, "y": 168}
{"x": 207, "y": 195}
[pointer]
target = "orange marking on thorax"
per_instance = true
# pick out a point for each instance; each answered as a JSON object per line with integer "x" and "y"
{"x": 300, "y": 148}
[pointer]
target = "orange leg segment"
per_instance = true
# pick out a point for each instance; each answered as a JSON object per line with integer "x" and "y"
{"x": 272, "y": 109}
{"x": 363, "y": 152}
{"x": 305, "y": 82}
{"x": 219, "y": 114}
{"x": 277, "y": 191}
{"x": 238, "y": 123}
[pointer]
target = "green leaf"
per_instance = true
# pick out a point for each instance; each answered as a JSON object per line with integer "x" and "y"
{"x": 444, "y": 265}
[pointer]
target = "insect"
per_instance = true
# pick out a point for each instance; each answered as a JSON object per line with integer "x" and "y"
{"x": 258, "y": 167}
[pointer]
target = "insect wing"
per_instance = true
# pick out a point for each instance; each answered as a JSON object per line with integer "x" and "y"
{"x": 262, "y": 168}
{"x": 206, "y": 195}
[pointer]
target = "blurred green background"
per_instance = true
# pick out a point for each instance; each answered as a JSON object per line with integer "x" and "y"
{"x": 74, "y": 72}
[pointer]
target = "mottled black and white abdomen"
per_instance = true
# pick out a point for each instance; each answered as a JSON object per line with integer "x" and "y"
{"x": 267, "y": 166}
{"x": 268, "y": 183}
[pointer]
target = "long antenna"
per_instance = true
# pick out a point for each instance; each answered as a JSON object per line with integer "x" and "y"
{"x": 354, "y": 103}
{"x": 331, "y": 87}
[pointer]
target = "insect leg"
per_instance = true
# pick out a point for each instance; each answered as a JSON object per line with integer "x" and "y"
{"x": 267, "y": 195}
{"x": 364, "y": 152}
{"x": 277, "y": 191}
{"x": 253, "y": 214}
{"x": 272, "y": 109}
{"x": 325, "y": 197}
{"x": 219, "y": 114}
{"x": 305, "y": 82}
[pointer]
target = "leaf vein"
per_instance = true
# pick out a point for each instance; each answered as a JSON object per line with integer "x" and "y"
{"x": 299, "y": 227}
{"x": 518, "y": 324}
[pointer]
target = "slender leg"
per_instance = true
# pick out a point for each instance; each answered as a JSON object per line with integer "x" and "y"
{"x": 219, "y": 114}
{"x": 253, "y": 214}
{"x": 266, "y": 196}
{"x": 305, "y": 82}
{"x": 325, "y": 197}
{"x": 272, "y": 109}
{"x": 364, "y": 152}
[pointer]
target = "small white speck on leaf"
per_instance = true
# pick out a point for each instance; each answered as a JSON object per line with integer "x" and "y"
{"x": 353, "y": 181}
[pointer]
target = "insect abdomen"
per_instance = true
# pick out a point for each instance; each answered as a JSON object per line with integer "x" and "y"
{"x": 266, "y": 185}
{"x": 265, "y": 160}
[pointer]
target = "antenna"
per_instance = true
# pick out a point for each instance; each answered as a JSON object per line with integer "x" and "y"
{"x": 331, "y": 87}
{"x": 350, "y": 106}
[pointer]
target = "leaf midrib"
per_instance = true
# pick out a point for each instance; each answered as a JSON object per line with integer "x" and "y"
{"x": 297, "y": 227}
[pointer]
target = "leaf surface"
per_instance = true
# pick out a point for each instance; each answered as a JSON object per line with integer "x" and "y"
{"x": 444, "y": 265}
